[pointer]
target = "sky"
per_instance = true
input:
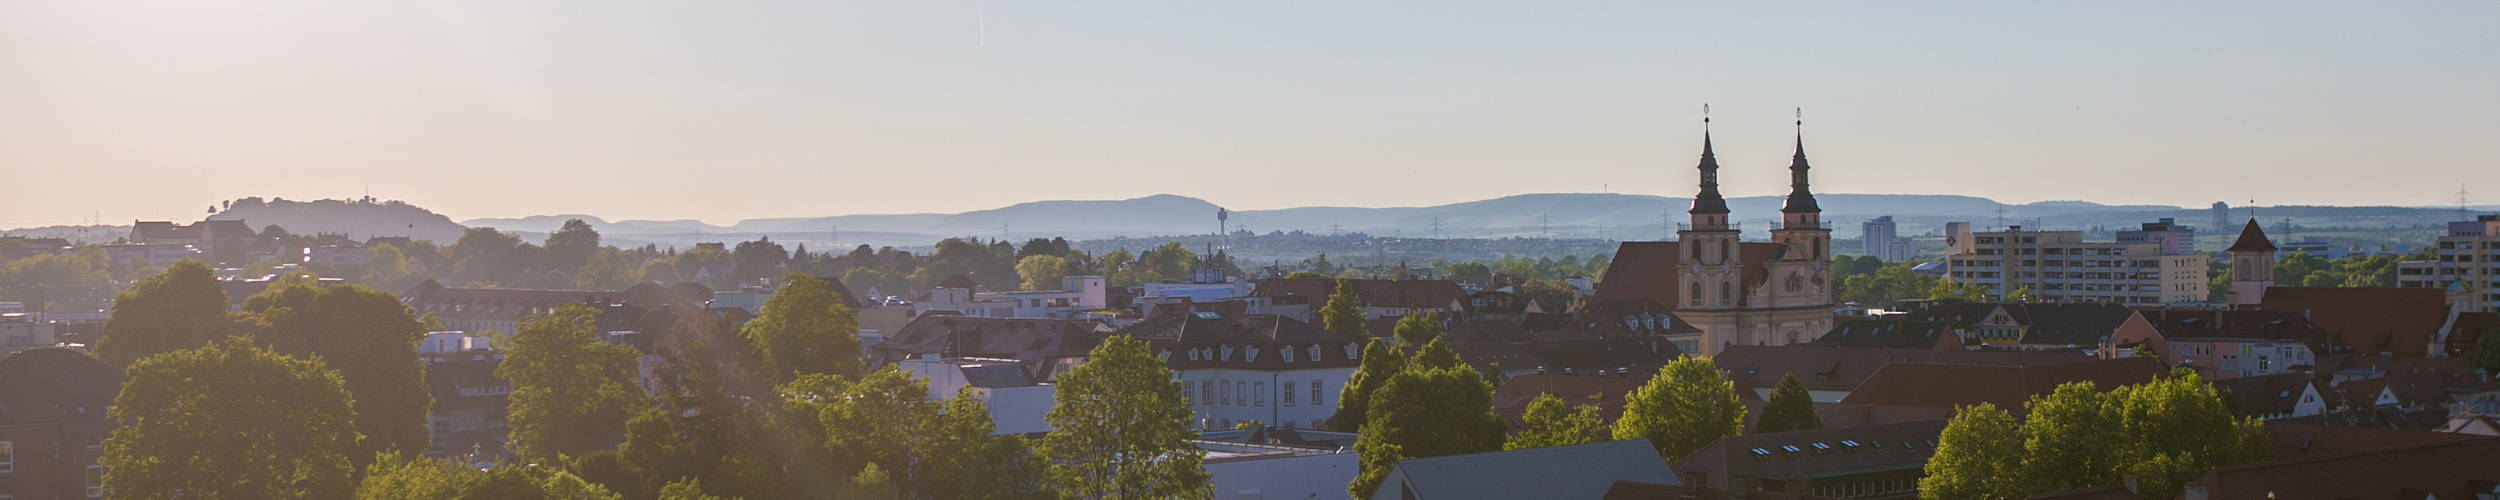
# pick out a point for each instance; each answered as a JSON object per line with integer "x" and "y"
{"x": 722, "y": 111}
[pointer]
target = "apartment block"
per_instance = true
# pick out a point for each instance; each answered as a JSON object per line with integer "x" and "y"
{"x": 2059, "y": 266}
{"x": 2466, "y": 262}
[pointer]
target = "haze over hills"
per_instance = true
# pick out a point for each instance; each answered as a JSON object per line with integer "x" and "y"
{"x": 1558, "y": 215}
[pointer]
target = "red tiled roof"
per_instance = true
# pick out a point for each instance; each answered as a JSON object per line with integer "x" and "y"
{"x": 1838, "y": 368}
{"x": 2266, "y": 394}
{"x": 1651, "y": 270}
{"x": 2293, "y": 441}
{"x": 2401, "y": 321}
{"x": 1230, "y": 341}
{"x": 2444, "y": 469}
{"x": 2008, "y": 387}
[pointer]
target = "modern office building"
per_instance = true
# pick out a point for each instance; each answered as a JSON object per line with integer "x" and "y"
{"x": 2058, "y": 266}
{"x": 1882, "y": 240}
{"x": 2465, "y": 262}
{"x": 2174, "y": 238}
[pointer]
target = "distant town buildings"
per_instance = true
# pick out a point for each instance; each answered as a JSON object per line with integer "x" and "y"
{"x": 1882, "y": 240}
{"x": 2174, "y": 238}
{"x": 2465, "y": 263}
{"x": 2221, "y": 216}
{"x": 2058, "y": 266}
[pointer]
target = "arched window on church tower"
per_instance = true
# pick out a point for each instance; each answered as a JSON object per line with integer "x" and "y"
{"x": 1727, "y": 294}
{"x": 1723, "y": 251}
{"x": 1696, "y": 295}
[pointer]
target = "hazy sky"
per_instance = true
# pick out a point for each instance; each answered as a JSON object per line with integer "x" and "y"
{"x": 728, "y": 110}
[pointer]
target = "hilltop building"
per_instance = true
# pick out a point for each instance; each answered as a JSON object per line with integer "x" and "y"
{"x": 1734, "y": 292}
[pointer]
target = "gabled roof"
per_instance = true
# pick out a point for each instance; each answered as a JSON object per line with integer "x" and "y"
{"x": 1562, "y": 472}
{"x": 1819, "y": 453}
{"x": 56, "y": 386}
{"x": 1839, "y": 368}
{"x": 2266, "y": 394}
{"x": 2008, "y": 387}
{"x": 1248, "y": 341}
{"x": 2401, "y": 321}
{"x": 2077, "y": 324}
{"x": 1650, "y": 270}
{"x": 1411, "y": 294}
{"x": 2252, "y": 239}
{"x": 2444, "y": 469}
{"x": 1606, "y": 393}
{"x": 2235, "y": 324}
{"x": 2295, "y": 441}
{"x": 1891, "y": 333}
{"x": 1635, "y": 316}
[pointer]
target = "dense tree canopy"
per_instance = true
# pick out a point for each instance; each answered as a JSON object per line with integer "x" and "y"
{"x": 802, "y": 330}
{"x": 1342, "y": 315}
{"x": 230, "y": 420}
{"x": 571, "y": 392}
{"x": 1379, "y": 363}
{"x": 1549, "y": 422}
{"x": 2162, "y": 433}
{"x": 1978, "y": 456}
{"x": 180, "y": 308}
{"x": 1686, "y": 406}
{"x": 368, "y": 337}
{"x": 1426, "y": 412}
{"x": 1120, "y": 429}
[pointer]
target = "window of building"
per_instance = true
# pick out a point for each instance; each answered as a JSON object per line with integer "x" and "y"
{"x": 8, "y": 457}
{"x": 1258, "y": 394}
{"x": 1227, "y": 396}
{"x": 1187, "y": 394}
{"x": 1315, "y": 353}
{"x": 1207, "y": 387}
{"x": 95, "y": 481}
{"x": 1286, "y": 353}
{"x": 1315, "y": 388}
{"x": 1288, "y": 400}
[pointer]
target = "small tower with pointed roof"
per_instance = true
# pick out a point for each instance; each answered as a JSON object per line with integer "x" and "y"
{"x": 1708, "y": 243}
{"x": 2252, "y": 265}
{"x": 1801, "y": 220}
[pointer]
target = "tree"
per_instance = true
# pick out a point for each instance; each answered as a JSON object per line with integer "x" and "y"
{"x": 1120, "y": 429}
{"x": 368, "y": 336}
{"x": 1687, "y": 405}
{"x": 1436, "y": 355}
{"x": 180, "y": 308}
{"x": 230, "y": 420}
{"x": 970, "y": 463}
{"x": 755, "y": 260}
{"x": 2021, "y": 295}
{"x": 804, "y": 329}
{"x": 1341, "y": 315}
{"x": 1423, "y": 413}
{"x": 1791, "y": 409}
{"x": 571, "y": 246}
{"x": 2486, "y": 353}
{"x": 2070, "y": 440}
{"x": 1042, "y": 272}
{"x": 1417, "y": 329}
{"x": 2176, "y": 428}
{"x": 1978, "y": 456}
{"x": 1549, "y": 423}
{"x": 403, "y": 478}
{"x": 1947, "y": 289}
{"x": 571, "y": 393}
{"x": 685, "y": 489}
{"x": 1380, "y": 362}
{"x": 879, "y": 419}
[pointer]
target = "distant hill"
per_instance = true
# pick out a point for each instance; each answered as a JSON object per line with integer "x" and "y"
{"x": 358, "y": 219}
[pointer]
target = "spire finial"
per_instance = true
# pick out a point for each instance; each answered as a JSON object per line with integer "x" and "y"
{"x": 1705, "y": 116}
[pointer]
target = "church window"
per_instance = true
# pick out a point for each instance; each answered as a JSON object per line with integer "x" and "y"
{"x": 1727, "y": 294}
{"x": 1696, "y": 295}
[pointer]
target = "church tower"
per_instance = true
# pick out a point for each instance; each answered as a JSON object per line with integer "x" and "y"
{"x": 1707, "y": 244}
{"x": 1801, "y": 220}
{"x": 2252, "y": 266}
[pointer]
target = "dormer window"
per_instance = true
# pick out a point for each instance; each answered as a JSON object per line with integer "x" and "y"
{"x": 1350, "y": 353}
{"x": 1225, "y": 353}
{"x": 1315, "y": 353}
{"x": 1287, "y": 353}
{"x": 1252, "y": 354}
{"x": 1165, "y": 356}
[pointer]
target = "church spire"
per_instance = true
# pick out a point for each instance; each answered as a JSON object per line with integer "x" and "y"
{"x": 1708, "y": 201}
{"x": 1800, "y": 199}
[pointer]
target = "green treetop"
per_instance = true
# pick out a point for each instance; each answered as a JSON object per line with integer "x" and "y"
{"x": 180, "y": 308}
{"x": 230, "y": 420}
{"x": 1686, "y": 406}
{"x": 1791, "y": 408}
{"x": 1120, "y": 429}
{"x": 571, "y": 393}
{"x": 1342, "y": 315}
{"x": 1978, "y": 456}
{"x": 1549, "y": 423}
{"x": 1380, "y": 362}
{"x": 804, "y": 329}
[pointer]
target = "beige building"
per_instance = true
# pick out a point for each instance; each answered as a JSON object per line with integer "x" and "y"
{"x": 1734, "y": 292}
{"x": 2466, "y": 262}
{"x": 2058, "y": 266}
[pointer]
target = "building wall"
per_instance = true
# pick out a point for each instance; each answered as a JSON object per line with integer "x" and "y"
{"x": 2471, "y": 254}
{"x": 2060, "y": 266}
{"x": 1263, "y": 396}
{"x": 48, "y": 461}
{"x": 1308, "y": 476}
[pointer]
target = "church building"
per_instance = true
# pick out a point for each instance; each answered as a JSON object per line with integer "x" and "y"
{"x": 1736, "y": 292}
